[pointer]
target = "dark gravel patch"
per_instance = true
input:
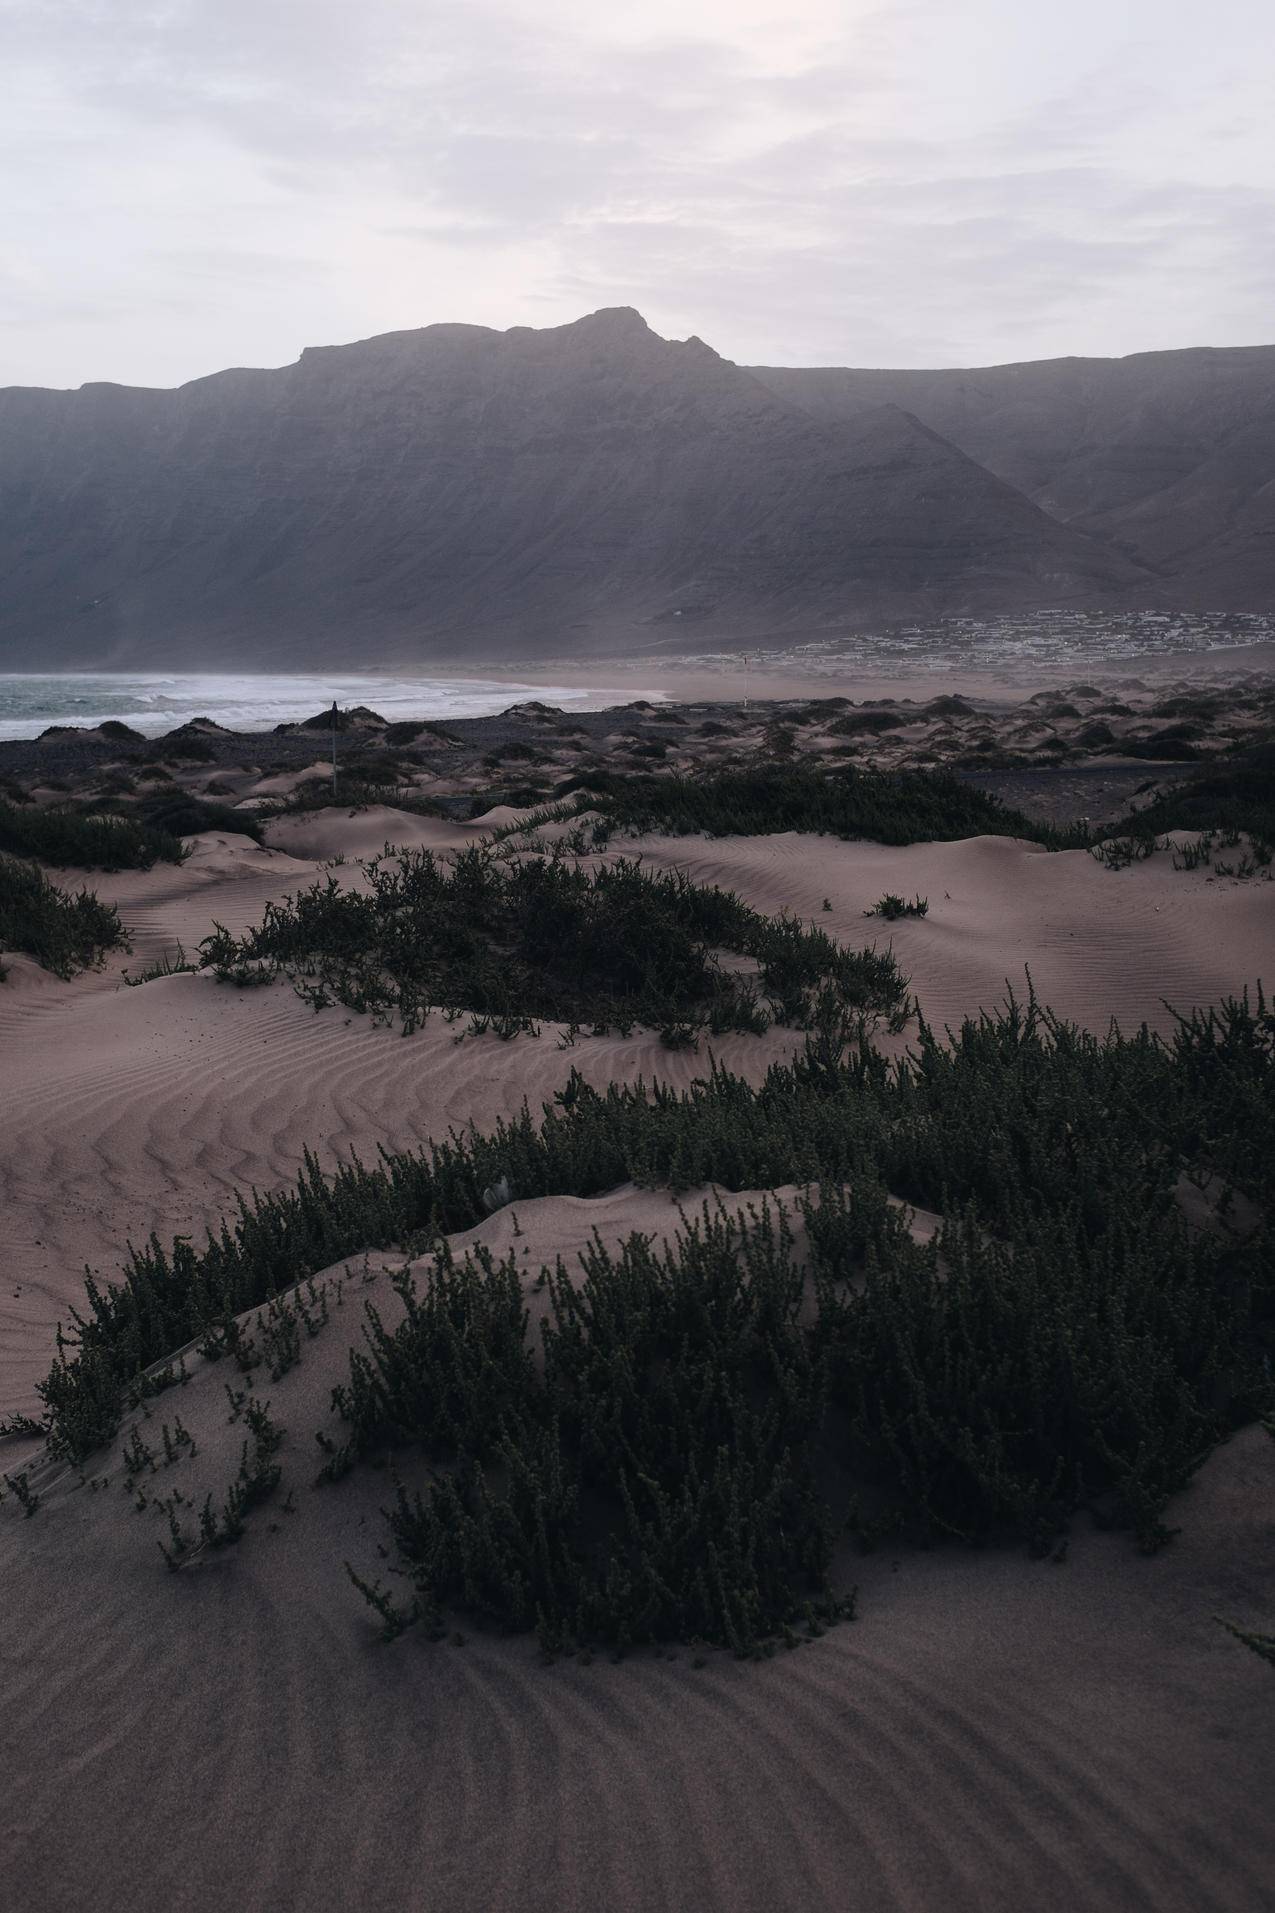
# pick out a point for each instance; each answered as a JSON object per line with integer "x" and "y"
{"x": 1063, "y": 794}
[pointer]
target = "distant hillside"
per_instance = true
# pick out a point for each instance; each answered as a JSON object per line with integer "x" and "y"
{"x": 1170, "y": 455}
{"x": 457, "y": 492}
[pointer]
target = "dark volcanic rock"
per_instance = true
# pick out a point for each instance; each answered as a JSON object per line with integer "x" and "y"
{"x": 457, "y": 491}
{"x": 1170, "y": 456}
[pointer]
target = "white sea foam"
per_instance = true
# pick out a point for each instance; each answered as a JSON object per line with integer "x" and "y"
{"x": 152, "y": 703}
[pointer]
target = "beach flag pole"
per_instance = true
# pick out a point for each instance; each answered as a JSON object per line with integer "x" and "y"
{"x": 334, "y": 747}
{"x": 745, "y": 680}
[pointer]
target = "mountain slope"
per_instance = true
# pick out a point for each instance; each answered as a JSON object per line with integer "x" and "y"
{"x": 457, "y": 491}
{"x": 1169, "y": 454}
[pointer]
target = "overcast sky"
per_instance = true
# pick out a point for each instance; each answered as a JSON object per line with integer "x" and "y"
{"x": 191, "y": 184}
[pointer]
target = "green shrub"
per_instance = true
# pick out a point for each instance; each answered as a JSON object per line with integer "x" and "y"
{"x": 866, "y": 723}
{"x": 889, "y": 807}
{"x": 1238, "y": 795}
{"x": 355, "y": 793}
{"x": 515, "y": 751}
{"x": 1171, "y": 746}
{"x": 64, "y": 933}
{"x": 677, "y": 1464}
{"x": 178, "y": 814}
{"x": 179, "y": 749}
{"x": 1061, "y": 1152}
{"x": 72, "y": 839}
{"x": 543, "y": 937}
{"x": 891, "y": 907}
{"x": 655, "y": 1482}
{"x": 168, "y": 964}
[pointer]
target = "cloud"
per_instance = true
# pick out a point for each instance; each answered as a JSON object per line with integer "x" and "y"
{"x": 194, "y": 184}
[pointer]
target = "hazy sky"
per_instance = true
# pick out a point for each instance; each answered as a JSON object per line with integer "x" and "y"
{"x": 191, "y": 184}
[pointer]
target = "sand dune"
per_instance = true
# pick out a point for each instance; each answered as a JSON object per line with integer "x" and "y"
{"x": 321, "y": 834}
{"x": 991, "y": 1733}
{"x": 226, "y": 878}
{"x": 148, "y": 1108}
{"x": 1099, "y": 943}
{"x": 154, "y": 1106}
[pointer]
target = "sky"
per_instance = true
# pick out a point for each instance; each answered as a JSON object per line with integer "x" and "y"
{"x": 192, "y": 184}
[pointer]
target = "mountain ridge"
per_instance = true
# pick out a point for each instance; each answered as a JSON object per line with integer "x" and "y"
{"x": 1143, "y": 450}
{"x": 453, "y": 490}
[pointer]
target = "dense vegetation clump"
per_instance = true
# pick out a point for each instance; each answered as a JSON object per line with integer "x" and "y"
{"x": 1067, "y": 1339}
{"x": 1232, "y": 797}
{"x": 362, "y": 788}
{"x": 64, "y": 933}
{"x": 892, "y": 907}
{"x": 516, "y": 939}
{"x": 1096, "y": 1310}
{"x": 888, "y": 807}
{"x": 414, "y": 730}
{"x": 176, "y": 814}
{"x": 653, "y": 1480}
{"x": 71, "y": 839}
{"x": 866, "y": 723}
{"x": 696, "y": 1432}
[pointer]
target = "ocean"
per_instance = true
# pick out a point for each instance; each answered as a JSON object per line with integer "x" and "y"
{"x": 152, "y": 703}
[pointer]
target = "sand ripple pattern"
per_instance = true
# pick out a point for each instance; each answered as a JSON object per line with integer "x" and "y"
{"x": 236, "y": 1737}
{"x": 992, "y": 1734}
{"x": 1099, "y": 943}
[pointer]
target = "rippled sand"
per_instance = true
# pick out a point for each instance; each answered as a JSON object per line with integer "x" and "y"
{"x": 991, "y": 1733}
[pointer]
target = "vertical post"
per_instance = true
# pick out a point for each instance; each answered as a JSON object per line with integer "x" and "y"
{"x": 745, "y": 680}
{"x": 334, "y": 749}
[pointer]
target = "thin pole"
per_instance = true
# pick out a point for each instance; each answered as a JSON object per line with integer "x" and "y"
{"x": 334, "y": 747}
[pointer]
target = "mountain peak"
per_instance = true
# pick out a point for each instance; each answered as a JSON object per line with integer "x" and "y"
{"x": 619, "y": 322}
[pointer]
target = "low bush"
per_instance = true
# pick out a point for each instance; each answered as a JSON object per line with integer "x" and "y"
{"x": 79, "y": 841}
{"x": 1076, "y": 1339}
{"x": 866, "y": 723}
{"x": 354, "y": 793}
{"x": 890, "y": 807}
{"x": 1166, "y": 747}
{"x": 891, "y": 907}
{"x": 543, "y": 937}
{"x": 654, "y": 1481}
{"x": 1238, "y": 795}
{"x": 704, "y": 1419}
{"x": 62, "y": 932}
{"x": 514, "y": 752}
{"x": 178, "y": 749}
{"x": 174, "y": 963}
{"x": 177, "y": 814}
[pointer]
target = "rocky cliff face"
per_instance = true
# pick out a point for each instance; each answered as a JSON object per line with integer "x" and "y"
{"x": 1168, "y": 456}
{"x": 456, "y": 492}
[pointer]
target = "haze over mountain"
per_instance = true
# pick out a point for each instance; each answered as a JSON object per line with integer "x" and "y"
{"x": 1169, "y": 455}
{"x": 459, "y": 493}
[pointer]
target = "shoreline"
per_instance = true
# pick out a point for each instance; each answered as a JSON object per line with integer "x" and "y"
{"x": 607, "y": 682}
{"x": 692, "y": 680}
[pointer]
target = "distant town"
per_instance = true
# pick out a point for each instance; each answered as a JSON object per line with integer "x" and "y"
{"x": 1061, "y": 637}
